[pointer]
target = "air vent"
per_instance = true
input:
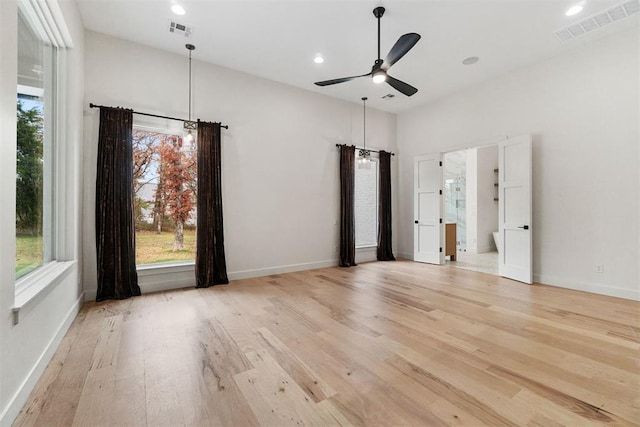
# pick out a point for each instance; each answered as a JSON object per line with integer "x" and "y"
{"x": 180, "y": 29}
{"x": 388, "y": 96}
{"x": 598, "y": 20}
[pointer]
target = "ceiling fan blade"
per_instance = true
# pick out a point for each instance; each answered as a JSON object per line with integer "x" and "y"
{"x": 340, "y": 80}
{"x": 402, "y": 46}
{"x": 401, "y": 86}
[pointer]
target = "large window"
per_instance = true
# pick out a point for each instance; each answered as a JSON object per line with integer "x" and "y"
{"x": 366, "y": 205}
{"x": 35, "y": 139}
{"x": 164, "y": 179}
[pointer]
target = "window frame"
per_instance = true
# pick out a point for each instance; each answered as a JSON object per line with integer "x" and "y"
{"x": 59, "y": 255}
{"x": 374, "y": 164}
{"x": 167, "y": 127}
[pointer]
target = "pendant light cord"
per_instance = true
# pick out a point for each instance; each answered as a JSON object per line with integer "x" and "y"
{"x": 189, "y": 84}
{"x": 364, "y": 123}
{"x": 190, "y": 47}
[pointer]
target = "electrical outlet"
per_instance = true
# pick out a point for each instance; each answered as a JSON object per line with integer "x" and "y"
{"x": 599, "y": 268}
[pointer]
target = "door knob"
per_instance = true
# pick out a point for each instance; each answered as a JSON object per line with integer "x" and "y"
{"x": 526, "y": 227}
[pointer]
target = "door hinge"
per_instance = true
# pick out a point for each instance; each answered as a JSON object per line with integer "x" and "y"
{"x": 440, "y": 220}
{"x": 441, "y": 163}
{"x": 440, "y": 249}
{"x": 441, "y": 192}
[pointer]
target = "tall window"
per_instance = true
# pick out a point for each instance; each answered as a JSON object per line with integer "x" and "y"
{"x": 366, "y": 205}
{"x": 34, "y": 186}
{"x": 165, "y": 186}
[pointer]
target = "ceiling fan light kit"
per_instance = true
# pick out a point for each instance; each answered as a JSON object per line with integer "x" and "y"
{"x": 380, "y": 68}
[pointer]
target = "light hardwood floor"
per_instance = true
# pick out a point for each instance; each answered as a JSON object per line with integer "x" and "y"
{"x": 395, "y": 343}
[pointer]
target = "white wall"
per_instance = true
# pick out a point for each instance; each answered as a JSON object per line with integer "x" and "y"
{"x": 280, "y": 163}
{"x": 582, "y": 110}
{"x": 26, "y": 348}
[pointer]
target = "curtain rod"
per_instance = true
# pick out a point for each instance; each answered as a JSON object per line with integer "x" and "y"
{"x": 360, "y": 148}
{"x": 92, "y": 105}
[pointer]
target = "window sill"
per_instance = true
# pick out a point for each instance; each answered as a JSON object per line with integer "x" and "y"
{"x": 365, "y": 247}
{"x": 34, "y": 287}
{"x": 172, "y": 267}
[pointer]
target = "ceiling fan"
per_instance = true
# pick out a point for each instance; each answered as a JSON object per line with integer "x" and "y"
{"x": 380, "y": 67}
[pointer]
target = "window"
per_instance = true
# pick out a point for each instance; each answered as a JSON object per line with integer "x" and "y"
{"x": 165, "y": 188}
{"x": 366, "y": 205}
{"x": 35, "y": 140}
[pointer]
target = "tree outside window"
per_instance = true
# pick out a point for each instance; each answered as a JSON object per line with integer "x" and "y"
{"x": 165, "y": 186}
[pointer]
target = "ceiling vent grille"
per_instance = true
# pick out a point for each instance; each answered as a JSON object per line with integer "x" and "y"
{"x": 180, "y": 29}
{"x": 598, "y": 20}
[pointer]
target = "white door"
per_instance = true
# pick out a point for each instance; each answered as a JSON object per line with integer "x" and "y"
{"x": 427, "y": 208}
{"x": 514, "y": 203}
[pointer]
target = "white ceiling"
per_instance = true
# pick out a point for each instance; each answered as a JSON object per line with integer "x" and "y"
{"x": 278, "y": 40}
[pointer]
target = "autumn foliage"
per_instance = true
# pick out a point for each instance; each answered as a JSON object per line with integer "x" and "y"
{"x": 164, "y": 171}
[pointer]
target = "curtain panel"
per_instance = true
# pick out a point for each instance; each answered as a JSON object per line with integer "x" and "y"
{"x": 115, "y": 234}
{"x": 347, "y": 214}
{"x": 211, "y": 266}
{"x": 384, "y": 252}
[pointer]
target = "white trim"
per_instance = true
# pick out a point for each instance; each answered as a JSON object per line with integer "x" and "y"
{"x": 145, "y": 270}
{"x": 47, "y": 20}
{"x": 366, "y": 254}
{"x": 594, "y": 288}
{"x": 20, "y": 397}
{"x": 404, "y": 255}
{"x": 247, "y": 274}
{"x": 183, "y": 276}
{"x": 61, "y": 25}
{"x": 32, "y": 288}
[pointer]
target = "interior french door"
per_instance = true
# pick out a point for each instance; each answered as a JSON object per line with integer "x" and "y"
{"x": 427, "y": 207}
{"x": 515, "y": 165}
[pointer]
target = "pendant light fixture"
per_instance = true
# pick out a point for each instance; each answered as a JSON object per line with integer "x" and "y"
{"x": 364, "y": 155}
{"x": 190, "y": 127}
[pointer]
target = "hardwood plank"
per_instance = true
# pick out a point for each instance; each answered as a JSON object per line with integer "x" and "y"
{"x": 274, "y": 396}
{"x": 309, "y": 381}
{"x": 397, "y": 343}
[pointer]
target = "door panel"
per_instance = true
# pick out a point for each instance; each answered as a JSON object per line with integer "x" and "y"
{"x": 427, "y": 205}
{"x": 515, "y": 206}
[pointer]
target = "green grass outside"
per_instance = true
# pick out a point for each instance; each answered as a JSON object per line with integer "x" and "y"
{"x": 28, "y": 254}
{"x": 154, "y": 248}
{"x": 151, "y": 248}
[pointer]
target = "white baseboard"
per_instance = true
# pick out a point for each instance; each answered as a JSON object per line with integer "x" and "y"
{"x": 404, "y": 255}
{"x": 248, "y": 274}
{"x": 594, "y": 288}
{"x": 487, "y": 248}
{"x": 20, "y": 397}
{"x": 168, "y": 278}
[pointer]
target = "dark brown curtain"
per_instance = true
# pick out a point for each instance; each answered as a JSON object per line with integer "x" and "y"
{"x": 347, "y": 215}
{"x": 115, "y": 234}
{"x": 211, "y": 266}
{"x": 384, "y": 252}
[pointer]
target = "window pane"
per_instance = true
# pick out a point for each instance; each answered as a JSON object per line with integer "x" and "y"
{"x": 164, "y": 179}
{"x": 33, "y": 147}
{"x": 366, "y": 205}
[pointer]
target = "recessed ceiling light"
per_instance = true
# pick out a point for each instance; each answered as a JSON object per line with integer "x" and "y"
{"x": 318, "y": 59}
{"x": 574, "y": 10}
{"x": 177, "y": 9}
{"x": 470, "y": 60}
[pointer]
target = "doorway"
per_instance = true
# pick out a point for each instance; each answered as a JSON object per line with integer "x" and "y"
{"x": 471, "y": 208}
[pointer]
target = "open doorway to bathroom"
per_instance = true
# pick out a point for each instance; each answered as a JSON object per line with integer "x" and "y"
{"x": 471, "y": 208}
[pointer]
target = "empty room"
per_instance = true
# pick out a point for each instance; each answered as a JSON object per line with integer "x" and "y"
{"x": 273, "y": 213}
